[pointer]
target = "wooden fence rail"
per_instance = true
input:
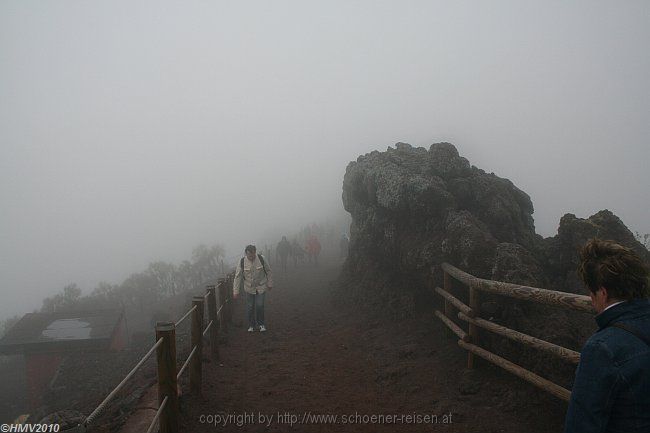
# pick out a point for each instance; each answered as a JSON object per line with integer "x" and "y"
{"x": 470, "y": 314}
{"x": 543, "y": 296}
{"x": 168, "y": 374}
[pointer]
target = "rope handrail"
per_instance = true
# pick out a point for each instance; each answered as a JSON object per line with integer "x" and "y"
{"x": 112, "y": 394}
{"x": 182, "y": 319}
{"x": 166, "y": 401}
{"x": 158, "y": 413}
{"x": 207, "y": 328}
{"x": 187, "y": 362}
{"x": 545, "y": 296}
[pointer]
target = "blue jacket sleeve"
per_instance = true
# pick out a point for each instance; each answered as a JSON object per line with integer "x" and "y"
{"x": 597, "y": 380}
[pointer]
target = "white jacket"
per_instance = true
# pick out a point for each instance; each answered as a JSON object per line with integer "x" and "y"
{"x": 253, "y": 277}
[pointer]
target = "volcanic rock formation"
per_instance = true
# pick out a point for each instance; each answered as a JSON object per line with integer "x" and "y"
{"x": 413, "y": 209}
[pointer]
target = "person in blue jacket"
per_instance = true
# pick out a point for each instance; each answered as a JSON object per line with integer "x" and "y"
{"x": 611, "y": 391}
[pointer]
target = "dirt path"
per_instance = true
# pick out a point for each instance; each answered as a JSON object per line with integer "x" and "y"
{"x": 319, "y": 358}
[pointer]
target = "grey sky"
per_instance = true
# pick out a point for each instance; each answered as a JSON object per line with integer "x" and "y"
{"x": 132, "y": 131}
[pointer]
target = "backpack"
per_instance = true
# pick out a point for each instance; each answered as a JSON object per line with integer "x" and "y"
{"x": 632, "y": 331}
{"x": 259, "y": 256}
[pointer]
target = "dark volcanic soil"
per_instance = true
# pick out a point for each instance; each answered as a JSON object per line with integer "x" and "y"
{"x": 324, "y": 356}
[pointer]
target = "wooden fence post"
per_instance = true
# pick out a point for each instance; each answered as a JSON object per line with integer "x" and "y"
{"x": 229, "y": 307}
{"x": 196, "y": 364}
{"x": 447, "y": 284}
{"x": 473, "y": 329}
{"x": 212, "y": 316}
{"x": 224, "y": 307}
{"x": 167, "y": 386}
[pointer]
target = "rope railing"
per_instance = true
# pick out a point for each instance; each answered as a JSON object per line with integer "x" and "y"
{"x": 207, "y": 328}
{"x": 187, "y": 362}
{"x": 165, "y": 347}
{"x": 156, "y": 417}
{"x": 470, "y": 314}
{"x": 89, "y": 420}
{"x": 182, "y": 319}
{"x": 168, "y": 375}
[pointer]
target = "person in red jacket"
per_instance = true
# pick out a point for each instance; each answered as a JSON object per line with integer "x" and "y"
{"x": 313, "y": 249}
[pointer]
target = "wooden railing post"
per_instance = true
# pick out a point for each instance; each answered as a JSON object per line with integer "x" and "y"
{"x": 223, "y": 319}
{"x": 196, "y": 364}
{"x": 473, "y": 329}
{"x": 167, "y": 385}
{"x": 230, "y": 301}
{"x": 212, "y": 316}
{"x": 447, "y": 286}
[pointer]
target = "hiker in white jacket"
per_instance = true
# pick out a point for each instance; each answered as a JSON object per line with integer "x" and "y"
{"x": 254, "y": 274}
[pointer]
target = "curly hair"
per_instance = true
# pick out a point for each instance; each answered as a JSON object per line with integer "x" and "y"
{"x": 614, "y": 267}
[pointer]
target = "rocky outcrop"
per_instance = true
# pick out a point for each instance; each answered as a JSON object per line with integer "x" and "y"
{"x": 560, "y": 251}
{"x": 418, "y": 207}
{"x": 414, "y": 208}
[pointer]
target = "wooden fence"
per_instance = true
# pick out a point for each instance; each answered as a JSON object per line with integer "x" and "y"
{"x": 168, "y": 374}
{"x": 471, "y": 315}
{"x": 219, "y": 319}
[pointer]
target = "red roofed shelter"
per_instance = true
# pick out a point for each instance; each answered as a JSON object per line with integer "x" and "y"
{"x": 45, "y": 339}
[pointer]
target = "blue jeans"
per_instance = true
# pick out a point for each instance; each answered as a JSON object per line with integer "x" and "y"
{"x": 255, "y": 309}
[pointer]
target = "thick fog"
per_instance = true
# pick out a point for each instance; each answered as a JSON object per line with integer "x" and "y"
{"x": 133, "y": 131}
